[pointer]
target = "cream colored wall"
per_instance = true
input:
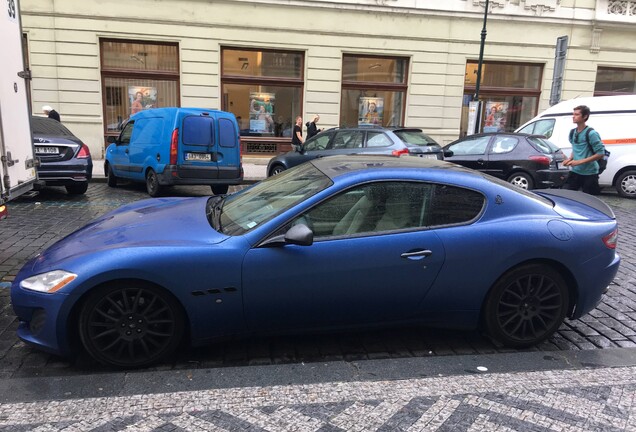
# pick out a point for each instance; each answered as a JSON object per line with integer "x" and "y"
{"x": 64, "y": 51}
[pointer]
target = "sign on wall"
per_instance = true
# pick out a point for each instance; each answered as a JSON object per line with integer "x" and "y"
{"x": 370, "y": 110}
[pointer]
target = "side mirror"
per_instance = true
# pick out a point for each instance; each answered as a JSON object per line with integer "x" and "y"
{"x": 300, "y": 235}
{"x": 448, "y": 153}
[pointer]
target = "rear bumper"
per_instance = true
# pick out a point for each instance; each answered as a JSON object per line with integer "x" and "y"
{"x": 592, "y": 288}
{"x": 174, "y": 175}
{"x": 551, "y": 178}
{"x": 64, "y": 174}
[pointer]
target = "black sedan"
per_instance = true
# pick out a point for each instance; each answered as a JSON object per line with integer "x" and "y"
{"x": 64, "y": 159}
{"x": 527, "y": 161}
{"x": 359, "y": 140}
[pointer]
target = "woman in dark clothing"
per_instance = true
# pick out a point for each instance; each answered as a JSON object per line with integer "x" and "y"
{"x": 312, "y": 129}
{"x": 297, "y": 134}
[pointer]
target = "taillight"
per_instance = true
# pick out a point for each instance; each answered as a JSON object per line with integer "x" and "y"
{"x": 174, "y": 147}
{"x": 400, "y": 152}
{"x": 84, "y": 152}
{"x": 611, "y": 239}
{"x": 543, "y": 160}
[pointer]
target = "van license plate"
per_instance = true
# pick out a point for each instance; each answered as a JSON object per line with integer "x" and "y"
{"x": 206, "y": 157}
{"x": 47, "y": 150}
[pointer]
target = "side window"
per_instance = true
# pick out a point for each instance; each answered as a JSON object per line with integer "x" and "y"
{"x": 348, "y": 140}
{"x": 470, "y": 146}
{"x": 378, "y": 139}
{"x": 124, "y": 137}
{"x": 541, "y": 127}
{"x": 318, "y": 143}
{"x": 148, "y": 130}
{"x": 228, "y": 135}
{"x": 453, "y": 205}
{"x": 503, "y": 144}
{"x": 198, "y": 131}
{"x": 371, "y": 208}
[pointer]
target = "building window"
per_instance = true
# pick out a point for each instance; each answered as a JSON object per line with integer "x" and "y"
{"x": 615, "y": 81}
{"x": 510, "y": 92}
{"x": 373, "y": 90}
{"x": 264, "y": 90}
{"x": 137, "y": 76}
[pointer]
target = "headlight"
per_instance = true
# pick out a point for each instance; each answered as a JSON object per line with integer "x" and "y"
{"x": 48, "y": 282}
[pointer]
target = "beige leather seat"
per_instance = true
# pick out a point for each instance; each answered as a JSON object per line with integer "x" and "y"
{"x": 397, "y": 214}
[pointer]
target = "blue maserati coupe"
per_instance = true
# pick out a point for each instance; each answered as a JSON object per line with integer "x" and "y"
{"x": 340, "y": 242}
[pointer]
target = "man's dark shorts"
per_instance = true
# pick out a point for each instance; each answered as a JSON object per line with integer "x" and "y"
{"x": 587, "y": 183}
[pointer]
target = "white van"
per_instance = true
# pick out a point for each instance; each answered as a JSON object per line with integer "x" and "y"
{"x": 614, "y": 117}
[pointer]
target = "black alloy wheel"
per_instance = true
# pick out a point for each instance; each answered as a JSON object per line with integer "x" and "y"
{"x": 152, "y": 184}
{"x": 130, "y": 326}
{"x": 111, "y": 177}
{"x": 526, "y": 306}
{"x": 220, "y": 189}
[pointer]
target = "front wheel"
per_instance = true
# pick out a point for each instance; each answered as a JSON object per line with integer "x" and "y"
{"x": 219, "y": 189}
{"x": 522, "y": 180}
{"x": 626, "y": 184}
{"x": 152, "y": 184}
{"x": 526, "y": 306}
{"x": 130, "y": 326}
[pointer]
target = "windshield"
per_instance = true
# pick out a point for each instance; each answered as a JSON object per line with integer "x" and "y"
{"x": 245, "y": 210}
{"x": 415, "y": 138}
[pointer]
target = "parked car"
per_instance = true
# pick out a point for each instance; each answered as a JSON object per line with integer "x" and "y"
{"x": 339, "y": 242}
{"x": 177, "y": 146}
{"x": 527, "y": 161}
{"x": 64, "y": 159}
{"x": 359, "y": 140}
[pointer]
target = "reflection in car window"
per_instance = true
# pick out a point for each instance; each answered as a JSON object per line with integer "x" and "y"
{"x": 251, "y": 207}
{"x": 348, "y": 139}
{"x": 124, "y": 137}
{"x": 318, "y": 143}
{"x": 453, "y": 205}
{"x": 50, "y": 127}
{"x": 544, "y": 145}
{"x": 378, "y": 139}
{"x": 470, "y": 146}
{"x": 543, "y": 127}
{"x": 503, "y": 144}
{"x": 417, "y": 138}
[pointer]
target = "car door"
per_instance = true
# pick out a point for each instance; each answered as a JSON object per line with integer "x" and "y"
{"x": 315, "y": 147}
{"x": 504, "y": 156}
{"x": 346, "y": 142}
{"x": 469, "y": 152}
{"x": 118, "y": 154}
{"x": 372, "y": 261}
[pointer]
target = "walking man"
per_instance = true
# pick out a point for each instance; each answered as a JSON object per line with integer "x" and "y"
{"x": 587, "y": 149}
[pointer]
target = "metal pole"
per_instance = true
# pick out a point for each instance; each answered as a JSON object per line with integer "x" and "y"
{"x": 481, "y": 53}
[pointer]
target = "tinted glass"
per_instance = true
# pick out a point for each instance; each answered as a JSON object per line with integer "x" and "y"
{"x": 503, "y": 144}
{"x": 378, "y": 139}
{"x": 198, "y": 130}
{"x": 348, "y": 140}
{"x": 124, "y": 138}
{"x": 544, "y": 145}
{"x": 318, "y": 143}
{"x": 453, "y": 205}
{"x": 49, "y": 127}
{"x": 228, "y": 135}
{"x": 415, "y": 138}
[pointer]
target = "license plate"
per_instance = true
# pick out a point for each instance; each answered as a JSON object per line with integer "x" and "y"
{"x": 206, "y": 157}
{"x": 47, "y": 150}
{"x": 428, "y": 156}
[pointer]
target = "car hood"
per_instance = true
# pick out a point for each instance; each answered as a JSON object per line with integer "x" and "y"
{"x": 169, "y": 222}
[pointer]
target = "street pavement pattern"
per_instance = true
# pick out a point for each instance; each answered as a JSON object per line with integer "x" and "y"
{"x": 600, "y": 399}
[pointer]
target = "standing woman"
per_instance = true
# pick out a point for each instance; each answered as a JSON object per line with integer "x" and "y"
{"x": 297, "y": 134}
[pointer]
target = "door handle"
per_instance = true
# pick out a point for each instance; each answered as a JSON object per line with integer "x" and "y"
{"x": 422, "y": 253}
{"x": 480, "y": 161}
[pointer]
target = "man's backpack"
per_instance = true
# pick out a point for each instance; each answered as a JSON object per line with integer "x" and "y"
{"x": 602, "y": 163}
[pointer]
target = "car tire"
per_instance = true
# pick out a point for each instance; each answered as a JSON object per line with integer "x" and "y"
{"x": 77, "y": 189}
{"x": 111, "y": 178}
{"x": 522, "y": 180}
{"x": 152, "y": 184}
{"x": 276, "y": 169}
{"x": 526, "y": 306}
{"x": 626, "y": 184}
{"x": 130, "y": 325}
{"x": 219, "y": 189}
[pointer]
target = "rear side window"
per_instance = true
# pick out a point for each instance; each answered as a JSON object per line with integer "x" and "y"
{"x": 228, "y": 135}
{"x": 378, "y": 139}
{"x": 348, "y": 140}
{"x": 198, "y": 131}
{"x": 544, "y": 145}
{"x": 148, "y": 130}
{"x": 541, "y": 127}
{"x": 503, "y": 144}
{"x": 415, "y": 138}
{"x": 46, "y": 126}
{"x": 454, "y": 205}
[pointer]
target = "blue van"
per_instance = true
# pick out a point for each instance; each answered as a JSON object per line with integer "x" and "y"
{"x": 177, "y": 146}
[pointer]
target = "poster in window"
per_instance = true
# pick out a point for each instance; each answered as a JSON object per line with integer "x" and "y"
{"x": 495, "y": 118}
{"x": 370, "y": 110}
{"x": 141, "y": 98}
{"x": 262, "y": 112}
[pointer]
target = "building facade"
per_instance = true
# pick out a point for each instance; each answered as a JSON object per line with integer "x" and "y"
{"x": 390, "y": 62}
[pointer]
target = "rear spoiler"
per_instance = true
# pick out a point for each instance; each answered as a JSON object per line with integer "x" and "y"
{"x": 581, "y": 197}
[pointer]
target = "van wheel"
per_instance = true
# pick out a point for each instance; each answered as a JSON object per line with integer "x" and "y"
{"x": 220, "y": 189}
{"x": 111, "y": 177}
{"x": 626, "y": 184}
{"x": 152, "y": 184}
{"x": 522, "y": 180}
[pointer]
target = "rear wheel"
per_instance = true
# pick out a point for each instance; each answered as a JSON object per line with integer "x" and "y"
{"x": 626, "y": 184}
{"x": 130, "y": 326}
{"x": 526, "y": 306}
{"x": 77, "y": 189}
{"x": 277, "y": 169}
{"x": 152, "y": 184}
{"x": 522, "y": 180}
{"x": 111, "y": 177}
{"x": 219, "y": 189}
